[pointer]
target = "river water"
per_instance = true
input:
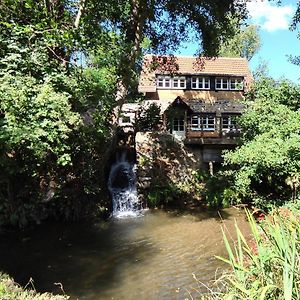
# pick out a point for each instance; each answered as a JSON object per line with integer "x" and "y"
{"x": 149, "y": 257}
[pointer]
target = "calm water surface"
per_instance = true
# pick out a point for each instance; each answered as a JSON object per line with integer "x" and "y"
{"x": 150, "y": 257}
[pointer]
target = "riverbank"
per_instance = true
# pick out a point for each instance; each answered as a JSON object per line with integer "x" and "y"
{"x": 10, "y": 290}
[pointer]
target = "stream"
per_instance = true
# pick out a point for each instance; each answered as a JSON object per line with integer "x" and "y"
{"x": 149, "y": 257}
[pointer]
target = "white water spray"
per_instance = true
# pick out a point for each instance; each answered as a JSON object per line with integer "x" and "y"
{"x": 122, "y": 186}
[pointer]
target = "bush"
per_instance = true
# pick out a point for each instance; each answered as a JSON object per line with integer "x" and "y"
{"x": 160, "y": 195}
{"x": 219, "y": 192}
{"x": 266, "y": 163}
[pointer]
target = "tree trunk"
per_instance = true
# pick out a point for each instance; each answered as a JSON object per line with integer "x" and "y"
{"x": 56, "y": 9}
{"x": 80, "y": 12}
{"x": 133, "y": 38}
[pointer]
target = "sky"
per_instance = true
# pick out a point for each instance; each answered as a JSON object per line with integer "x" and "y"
{"x": 277, "y": 40}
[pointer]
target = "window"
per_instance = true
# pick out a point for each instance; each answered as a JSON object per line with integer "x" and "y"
{"x": 164, "y": 81}
{"x": 236, "y": 83}
{"x": 160, "y": 81}
{"x": 221, "y": 83}
{"x": 200, "y": 82}
{"x": 169, "y": 82}
{"x": 178, "y": 124}
{"x": 195, "y": 123}
{"x": 208, "y": 123}
{"x": 205, "y": 123}
{"x": 228, "y": 123}
{"x": 178, "y": 82}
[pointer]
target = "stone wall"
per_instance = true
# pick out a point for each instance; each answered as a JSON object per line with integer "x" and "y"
{"x": 165, "y": 164}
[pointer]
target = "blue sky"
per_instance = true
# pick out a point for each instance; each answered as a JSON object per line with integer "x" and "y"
{"x": 277, "y": 40}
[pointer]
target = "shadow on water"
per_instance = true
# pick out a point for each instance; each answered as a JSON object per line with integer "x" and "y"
{"x": 76, "y": 254}
{"x": 201, "y": 214}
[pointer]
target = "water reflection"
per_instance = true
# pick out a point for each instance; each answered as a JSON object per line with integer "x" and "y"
{"x": 153, "y": 257}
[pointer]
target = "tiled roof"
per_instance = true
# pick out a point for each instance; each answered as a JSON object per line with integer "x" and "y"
{"x": 224, "y": 106}
{"x": 184, "y": 65}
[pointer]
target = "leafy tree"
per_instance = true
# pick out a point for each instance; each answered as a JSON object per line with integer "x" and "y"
{"x": 295, "y": 21}
{"x": 166, "y": 24}
{"x": 55, "y": 107}
{"x": 245, "y": 41}
{"x": 148, "y": 118}
{"x": 53, "y": 114}
{"x": 268, "y": 159}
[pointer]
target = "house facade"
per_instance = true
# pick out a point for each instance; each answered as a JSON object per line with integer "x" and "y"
{"x": 200, "y": 98}
{"x": 203, "y": 94}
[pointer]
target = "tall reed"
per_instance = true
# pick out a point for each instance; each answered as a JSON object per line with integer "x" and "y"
{"x": 266, "y": 266}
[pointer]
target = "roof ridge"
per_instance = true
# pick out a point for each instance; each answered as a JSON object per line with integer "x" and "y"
{"x": 194, "y": 57}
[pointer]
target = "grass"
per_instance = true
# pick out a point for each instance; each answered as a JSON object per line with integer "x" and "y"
{"x": 10, "y": 290}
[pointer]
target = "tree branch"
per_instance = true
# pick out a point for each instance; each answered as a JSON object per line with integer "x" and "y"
{"x": 79, "y": 13}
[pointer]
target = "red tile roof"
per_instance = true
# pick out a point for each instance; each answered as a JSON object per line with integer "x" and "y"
{"x": 185, "y": 65}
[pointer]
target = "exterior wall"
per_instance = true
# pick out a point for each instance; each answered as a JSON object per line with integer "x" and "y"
{"x": 162, "y": 160}
{"x": 164, "y": 94}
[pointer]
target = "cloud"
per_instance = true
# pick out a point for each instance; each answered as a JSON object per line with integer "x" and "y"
{"x": 270, "y": 17}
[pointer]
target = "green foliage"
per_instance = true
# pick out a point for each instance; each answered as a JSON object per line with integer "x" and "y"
{"x": 163, "y": 195}
{"x": 245, "y": 41}
{"x": 53, "y": 119}
{"x": 149, "y": 118}
{"x": 269, "y": 152}
{"x": 10, "y": 290}
{"x": 267, "y": 266}
{"x": 218, "y": 191}
{"x": 36, "y": 119}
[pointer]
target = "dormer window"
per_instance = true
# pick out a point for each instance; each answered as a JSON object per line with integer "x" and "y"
{"x": 203, "y": 123}
{"x": 164, "y": 81}
{"x": 199, "y": 82}
{"x": 236, "y": 84}
{"x": 233, "y": 83}
{"x": 168, "y": 82}
{"x": 221, "y": 83}
{"x": 179, "y": 83}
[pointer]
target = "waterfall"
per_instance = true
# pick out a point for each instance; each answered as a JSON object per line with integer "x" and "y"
{"x": 122, "y": 186}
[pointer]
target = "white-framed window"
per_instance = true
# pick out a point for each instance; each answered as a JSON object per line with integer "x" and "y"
{"x": 168, "y": 82}
{"x": 178, "y": 82}
{"x": 221, "y": 83}
{"x": 205, "y": 123}
{"x": 200, "y": 82}
{"x": 178, "y": 124}
{"x": 195, "y": 123}
{"x": 228, "y": 123}
{"x": 160, "y": 81}
{"x": 209, "y": 123}
{"x": 236, "y": 83}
